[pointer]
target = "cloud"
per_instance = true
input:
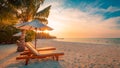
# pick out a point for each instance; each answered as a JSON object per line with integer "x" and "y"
{"x": 56, "y": 4}
{"x": 73, "y": 22}
{"x": 95, "y": 7}
{"x": 112, "y": 9}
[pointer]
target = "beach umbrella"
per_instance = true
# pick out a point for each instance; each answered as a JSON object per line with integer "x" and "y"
{"x": 34, "y": 25}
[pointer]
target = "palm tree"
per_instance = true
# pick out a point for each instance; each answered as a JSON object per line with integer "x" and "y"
{"x": 24, "y": 11}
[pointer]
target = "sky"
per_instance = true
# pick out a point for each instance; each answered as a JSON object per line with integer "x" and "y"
{"x": 84, "y": 18}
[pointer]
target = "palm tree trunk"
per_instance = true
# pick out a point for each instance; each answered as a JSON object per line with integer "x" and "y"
{"x": 21, "y": 45}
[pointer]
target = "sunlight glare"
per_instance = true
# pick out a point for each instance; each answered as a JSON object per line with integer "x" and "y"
{"x": 46, "y": 31}
{"x": 38, "y": 31}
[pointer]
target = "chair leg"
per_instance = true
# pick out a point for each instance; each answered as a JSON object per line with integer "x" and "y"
{"x": 53, "y": 57}
{"x": 26, "y": 63}
{"x": 57, "y": 58}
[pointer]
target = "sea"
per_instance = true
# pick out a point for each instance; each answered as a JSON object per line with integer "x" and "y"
{"x": 108, "y": 41}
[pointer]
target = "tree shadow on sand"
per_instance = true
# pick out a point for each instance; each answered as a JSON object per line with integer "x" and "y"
{"x": 10, "y": 56}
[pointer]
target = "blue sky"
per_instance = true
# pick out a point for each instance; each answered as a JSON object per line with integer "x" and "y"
{"x": 105, "y": 3}
{"x": 84, "y": 18}
{"x": 101, "y": 4}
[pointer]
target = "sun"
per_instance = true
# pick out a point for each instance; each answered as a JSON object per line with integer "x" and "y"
{"x": 38, "y": 31}
{"x": 46, "y": 31}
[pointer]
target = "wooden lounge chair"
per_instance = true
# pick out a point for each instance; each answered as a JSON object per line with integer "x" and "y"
{"x": 38, "y": 49}
{"x": 39, "y": 54}
{"x": 43, "y": 48}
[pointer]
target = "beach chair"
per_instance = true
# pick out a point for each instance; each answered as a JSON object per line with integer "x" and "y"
{"x": 34, "y": 54}
{"x": 38, "y": 49}
{"x": 42, "y": 48}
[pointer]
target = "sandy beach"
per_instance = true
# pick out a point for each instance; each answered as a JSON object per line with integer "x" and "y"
{"x": 77, "y": 55}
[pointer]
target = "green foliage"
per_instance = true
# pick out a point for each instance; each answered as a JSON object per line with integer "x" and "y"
{"x": 22, "y": 9}
{"x": 30, "y": 35}
{"x": 44, "y": 35}
{"x": 12, "y": 11}
{"x": 6, "y": 34}
{"x": 7, "y": 31}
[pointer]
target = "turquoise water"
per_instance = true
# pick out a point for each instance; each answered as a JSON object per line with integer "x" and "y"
{"x": 109, "y": 41}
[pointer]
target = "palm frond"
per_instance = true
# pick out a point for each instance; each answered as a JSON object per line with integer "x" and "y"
{"x": 37, "y": 5}
{"x": 31, "y": 7}
{"x": 43, "y": 13}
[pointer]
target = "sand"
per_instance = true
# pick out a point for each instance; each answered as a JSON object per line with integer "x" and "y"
{"x": 77, "y": 55}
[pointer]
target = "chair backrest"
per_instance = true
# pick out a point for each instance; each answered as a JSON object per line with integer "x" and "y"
{"x": 31, "y": 44}
{"x": 31, "y": 48}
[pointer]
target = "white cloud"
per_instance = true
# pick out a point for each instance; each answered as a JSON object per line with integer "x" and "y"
{"x": 113, "y": 9}
{"x": 72, "y": 22}
{"x": 56, "y": 4}
{"x": 95, "y": 7}
{"x": 109, "y": 9}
